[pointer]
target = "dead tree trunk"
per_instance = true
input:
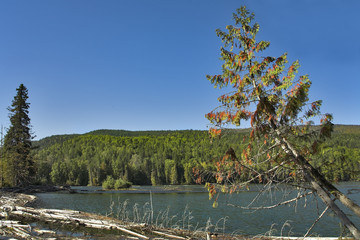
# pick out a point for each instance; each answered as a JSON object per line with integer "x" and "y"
{"x": 320, "y": 186}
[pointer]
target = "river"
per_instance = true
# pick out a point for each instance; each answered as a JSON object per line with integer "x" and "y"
{"x": 189, "y": 207}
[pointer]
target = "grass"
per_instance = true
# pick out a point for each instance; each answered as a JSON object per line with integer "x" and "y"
{"x": 163, "y": 219}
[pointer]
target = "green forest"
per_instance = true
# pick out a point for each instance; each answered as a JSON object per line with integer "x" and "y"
{"x": 167, "y": 157}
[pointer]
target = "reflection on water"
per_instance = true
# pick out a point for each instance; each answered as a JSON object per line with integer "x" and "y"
{"x": 189, "y": 207}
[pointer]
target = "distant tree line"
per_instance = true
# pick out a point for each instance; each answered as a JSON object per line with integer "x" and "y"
{"x": 340, "y": 156}
{"x": 166, "y": 157}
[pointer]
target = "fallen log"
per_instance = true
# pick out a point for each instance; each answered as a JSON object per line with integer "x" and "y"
{"x": 16, "y": 228}
{"x": 21, "y": 232}
{"x": 8, "y": 222}
{"x": 66, "y": 217}
{"x": 42, "y": 231}
{"x": 131, "y": 232}
{"x": 168, "y": 235}
{"x": 11, "y": 224}
{"x": 15, "y": 198}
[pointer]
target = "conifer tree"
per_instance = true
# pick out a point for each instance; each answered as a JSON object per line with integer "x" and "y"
{"x": 2, "y": 156}
{"x": 17, "y": 142}
{"x": 282, "y": 141}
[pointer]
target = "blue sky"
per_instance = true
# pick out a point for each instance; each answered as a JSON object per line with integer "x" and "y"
{"x": 141, "y": 65}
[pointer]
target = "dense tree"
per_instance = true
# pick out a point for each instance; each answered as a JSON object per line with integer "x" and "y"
{"x": 17, "y": 143}
{"x": 152, "y": 161}
{"x": 265, "y": 91}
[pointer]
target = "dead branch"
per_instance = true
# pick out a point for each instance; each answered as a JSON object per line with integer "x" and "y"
{"x": 168, "y": 235}
{"x": 312, "y": 226}
{"x": 274, "y": 206}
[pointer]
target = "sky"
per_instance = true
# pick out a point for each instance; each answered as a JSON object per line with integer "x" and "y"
{"x": 141, "y": 64}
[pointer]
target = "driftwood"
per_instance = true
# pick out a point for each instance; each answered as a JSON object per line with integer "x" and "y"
{"x": 16, "y": 228}
{"x": 67, "y": 217}
{"x": 18, "y": 199}
{"x": 74, "y": 217}
{"x": 168, "y": 235}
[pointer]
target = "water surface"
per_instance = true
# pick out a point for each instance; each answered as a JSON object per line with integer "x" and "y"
{"x": 189, "y": 207}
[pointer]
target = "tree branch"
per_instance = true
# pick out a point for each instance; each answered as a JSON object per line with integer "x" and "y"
{"x": 273, "y": 206}
{"x": 312, "y": 226}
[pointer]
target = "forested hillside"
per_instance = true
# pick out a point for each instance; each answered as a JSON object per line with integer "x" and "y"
{"x": 167, "y": 157}
{"x": 339, "y": 159}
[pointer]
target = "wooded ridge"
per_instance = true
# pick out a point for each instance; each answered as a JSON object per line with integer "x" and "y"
{"x": 168, "y": 157}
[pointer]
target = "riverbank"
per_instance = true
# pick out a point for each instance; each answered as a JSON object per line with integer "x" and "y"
{"x": 19, "y": 211}
{"x": 20, "y": 221}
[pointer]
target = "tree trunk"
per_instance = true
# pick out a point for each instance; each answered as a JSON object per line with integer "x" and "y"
{"x": 325, "y": 197}
{"x": 321, "y": 186}
{"x": 331, "y": 188}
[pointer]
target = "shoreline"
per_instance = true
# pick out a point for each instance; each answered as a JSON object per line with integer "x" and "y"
{"x": 39, "y": 223}
{"x": 20, "y": 220}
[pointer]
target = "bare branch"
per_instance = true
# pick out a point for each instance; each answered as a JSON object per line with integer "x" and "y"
{"x": 274, "y": 206}
{"x": 312, "y": 226}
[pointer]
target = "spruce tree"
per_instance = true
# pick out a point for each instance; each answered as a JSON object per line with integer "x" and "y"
{"x": 17, "y": 144}
{"x": 2, "y": 156}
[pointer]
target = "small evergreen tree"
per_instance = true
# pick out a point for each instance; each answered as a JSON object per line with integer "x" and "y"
{"x": 2, "y": 156}
{"x": 17, "y": 142}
